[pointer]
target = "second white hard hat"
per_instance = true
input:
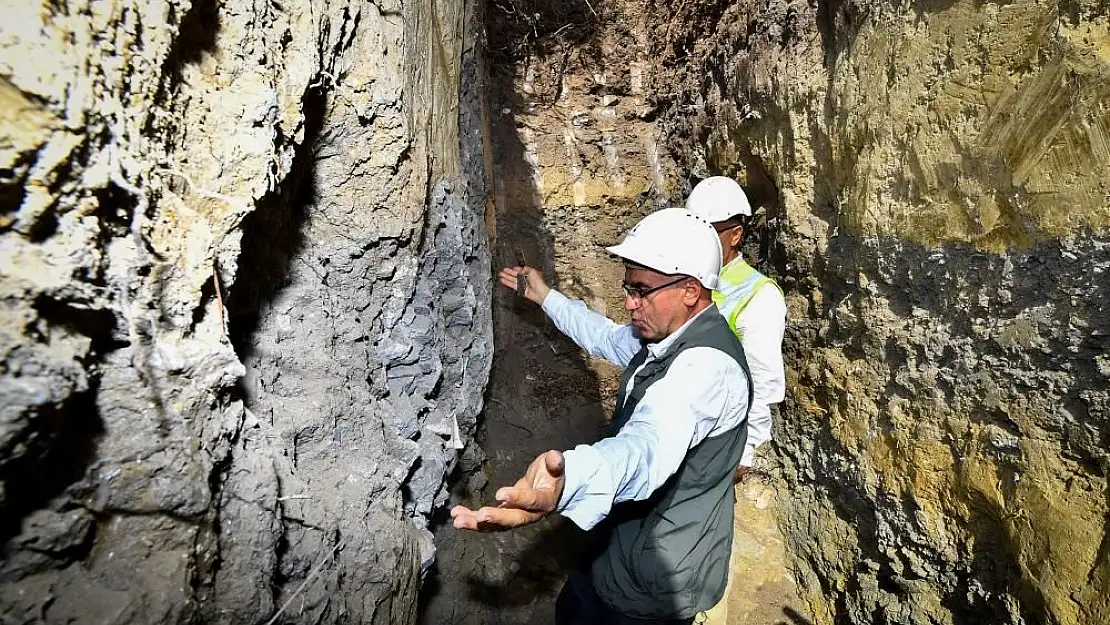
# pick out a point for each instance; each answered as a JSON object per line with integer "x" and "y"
{"x": 718, "y": 199}
{"x": 674, "y": 241}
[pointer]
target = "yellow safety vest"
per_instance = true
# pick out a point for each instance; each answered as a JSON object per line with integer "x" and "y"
{"x": 738, "y": 284}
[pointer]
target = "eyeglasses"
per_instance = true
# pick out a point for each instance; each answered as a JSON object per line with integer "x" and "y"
{"x": 640, "y": 292}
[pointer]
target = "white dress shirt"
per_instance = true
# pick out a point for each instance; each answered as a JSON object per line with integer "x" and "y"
{"x": 762, "y": 325}
{"x": 703, "y": 394}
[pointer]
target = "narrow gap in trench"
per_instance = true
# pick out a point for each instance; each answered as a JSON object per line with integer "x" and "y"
{"x": 563, "y": 94}
{"x": 542, "y": 392}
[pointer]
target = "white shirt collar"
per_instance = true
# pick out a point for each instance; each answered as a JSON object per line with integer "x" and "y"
{"x": 656, "y": 350}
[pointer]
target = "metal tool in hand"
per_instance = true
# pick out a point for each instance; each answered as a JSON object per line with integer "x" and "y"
{"x": 521, "y": 278}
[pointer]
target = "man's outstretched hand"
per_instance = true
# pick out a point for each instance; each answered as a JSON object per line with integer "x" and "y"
{"x": 533, "y": 497}
{"x": 536, "y": 289}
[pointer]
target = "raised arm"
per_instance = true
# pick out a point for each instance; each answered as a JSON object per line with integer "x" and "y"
{"x": 592, "y": 331}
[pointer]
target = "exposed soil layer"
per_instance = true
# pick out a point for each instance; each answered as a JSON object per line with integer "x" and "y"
{"x": 244, "y": 307}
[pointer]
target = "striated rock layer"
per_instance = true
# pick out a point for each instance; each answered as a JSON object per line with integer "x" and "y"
{"x": 934, "y": 176}
{"x": 244, "y": 300}
{"x": 245, "y": 307}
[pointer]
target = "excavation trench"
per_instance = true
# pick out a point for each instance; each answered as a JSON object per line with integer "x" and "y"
{"x": 247, "y": 317}
{"x": 574, "y": 167}
{"x": 543, "y": 394}
{"x": 948, "y": 384}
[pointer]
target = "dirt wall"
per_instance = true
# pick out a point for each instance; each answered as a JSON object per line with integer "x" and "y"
{"x": 245, "y": 304}
{"x": 938, "y": 215}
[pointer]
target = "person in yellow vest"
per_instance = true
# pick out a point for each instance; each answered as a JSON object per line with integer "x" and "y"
{"x": 756, "y": 311}
{"x": 750, "y": 301}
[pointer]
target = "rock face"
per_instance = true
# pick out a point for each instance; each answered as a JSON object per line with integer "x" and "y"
{"x": 245, "y": 304}
{"x": 934, "y": 176}
{"x": 245, "y": 308}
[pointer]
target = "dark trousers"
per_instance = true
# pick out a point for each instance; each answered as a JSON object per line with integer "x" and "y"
{"x": 578, "y": 604}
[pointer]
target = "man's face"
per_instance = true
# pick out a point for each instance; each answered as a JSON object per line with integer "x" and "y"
{"x": 660, "y": 312}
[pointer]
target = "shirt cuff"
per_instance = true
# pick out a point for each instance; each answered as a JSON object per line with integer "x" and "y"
{"x": 749, "y": 456}
{"x": 585, "y": 500}
{"x": 554, "y": 302}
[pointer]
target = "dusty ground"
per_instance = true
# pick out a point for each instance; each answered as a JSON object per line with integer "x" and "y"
{"x": 763, "y": 590}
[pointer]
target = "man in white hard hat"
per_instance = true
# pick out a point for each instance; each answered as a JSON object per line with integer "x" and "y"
{"x": 750, "y": 301}
{"x": 658, "y": 491}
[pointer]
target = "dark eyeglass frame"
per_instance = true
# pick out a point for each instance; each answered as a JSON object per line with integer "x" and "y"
{"x": 641, "y": 293}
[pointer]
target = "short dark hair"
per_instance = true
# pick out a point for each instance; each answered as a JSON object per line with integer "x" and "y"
{"x": 732, "y": 222}
{"x": 736, "y": 220}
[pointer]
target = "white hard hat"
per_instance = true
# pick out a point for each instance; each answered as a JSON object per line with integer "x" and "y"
{"x": 718, "y": 199}
{"x": 674, "y": 241}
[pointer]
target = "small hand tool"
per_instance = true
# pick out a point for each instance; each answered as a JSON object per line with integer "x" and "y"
{"x": 521, "y": 278}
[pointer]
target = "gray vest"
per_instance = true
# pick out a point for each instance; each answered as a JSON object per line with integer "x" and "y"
{"x": 667, "y": 557}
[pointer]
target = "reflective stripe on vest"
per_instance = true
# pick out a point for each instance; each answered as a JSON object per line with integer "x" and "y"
{"x": 739, "y": 283}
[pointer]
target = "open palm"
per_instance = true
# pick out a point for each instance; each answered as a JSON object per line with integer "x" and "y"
{"x": 533, "y": 497}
